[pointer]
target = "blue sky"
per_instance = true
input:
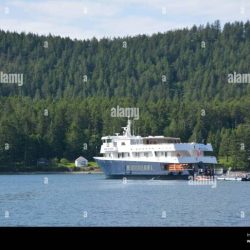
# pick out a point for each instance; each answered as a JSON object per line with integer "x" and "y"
{"x": 82, "y": 19}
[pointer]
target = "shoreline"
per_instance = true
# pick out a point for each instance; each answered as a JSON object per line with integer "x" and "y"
{"x": 50, "y": 172}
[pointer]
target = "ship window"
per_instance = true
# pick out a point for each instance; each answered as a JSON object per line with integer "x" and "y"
{"x": 146, "y": 154}
{"x": 109, "y": 140}
{"x": 161, "y": 153}
{"x": 123, "y": 143}
{"x": 133, "y": 142}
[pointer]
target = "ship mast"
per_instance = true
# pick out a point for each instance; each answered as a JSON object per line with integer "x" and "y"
{"x": 127, "y": 129}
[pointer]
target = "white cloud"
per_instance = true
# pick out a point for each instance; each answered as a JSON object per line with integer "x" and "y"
{"x": 138, "y": 25}
{"x": 85, "y": 19}
{"x": 66, "y": 9}
{"x": 44, "y": 28}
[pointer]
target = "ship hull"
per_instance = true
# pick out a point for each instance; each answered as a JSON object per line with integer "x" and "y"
{"x": 117, "y": 169}
{"x": 148, "y": 177}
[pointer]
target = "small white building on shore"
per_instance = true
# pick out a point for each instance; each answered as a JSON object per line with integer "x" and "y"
{"x": 81, "y": 162}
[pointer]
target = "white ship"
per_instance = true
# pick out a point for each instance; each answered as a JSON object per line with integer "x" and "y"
{"x": 155, "y": 157}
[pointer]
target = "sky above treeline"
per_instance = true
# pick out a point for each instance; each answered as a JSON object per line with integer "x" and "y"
{"x": 85, "y": 19}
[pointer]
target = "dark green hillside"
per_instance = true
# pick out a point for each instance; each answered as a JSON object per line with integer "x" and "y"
{"x": 179, "y": 83}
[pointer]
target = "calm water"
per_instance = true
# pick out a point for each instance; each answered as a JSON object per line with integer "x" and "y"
{"x": 91, "y": 200}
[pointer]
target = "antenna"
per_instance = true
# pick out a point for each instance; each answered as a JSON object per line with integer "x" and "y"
{"x": 133, "y": 124}
{"x": 127, "y": 129}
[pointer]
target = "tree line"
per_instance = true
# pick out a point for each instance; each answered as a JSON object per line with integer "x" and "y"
{"x": 177, "y": 79}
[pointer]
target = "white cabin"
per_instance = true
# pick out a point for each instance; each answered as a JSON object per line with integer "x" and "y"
{"x": 154, "y": 149}
{"x": 81, "y": 162}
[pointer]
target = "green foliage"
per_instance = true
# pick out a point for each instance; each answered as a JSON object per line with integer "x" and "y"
{"x": 64, "y": 161}
{"x": 79, "y": 111}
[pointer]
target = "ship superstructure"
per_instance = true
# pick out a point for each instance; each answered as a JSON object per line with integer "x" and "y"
{"x": 160, "y": 157}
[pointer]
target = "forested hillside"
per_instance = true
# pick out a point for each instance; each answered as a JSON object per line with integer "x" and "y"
{"x": 178, "y": 80}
